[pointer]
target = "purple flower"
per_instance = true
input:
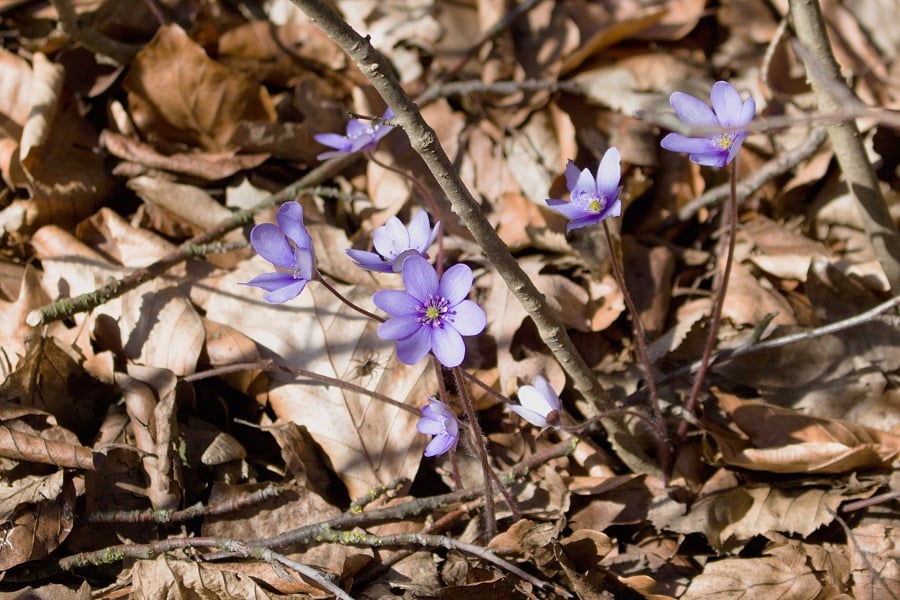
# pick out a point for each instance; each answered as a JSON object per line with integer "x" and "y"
{"x": 592, "y": 200}
{"x": 539, "y": 403}
{"x": 288, "y": 247}
{"x": 431, "y": 315}
{"x": 440, "y": 421}
{"x": 394, "y": 243}
{"x": 728, "y": 111}
{"x": 362, "y": 136}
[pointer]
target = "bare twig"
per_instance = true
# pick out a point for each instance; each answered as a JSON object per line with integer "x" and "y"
{"x": 824, "y": 75}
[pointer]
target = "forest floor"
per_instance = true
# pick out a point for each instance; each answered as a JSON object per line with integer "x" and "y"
{"x": 174, "y": 435}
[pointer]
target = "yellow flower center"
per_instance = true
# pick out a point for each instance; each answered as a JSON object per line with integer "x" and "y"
{"x": 724, "y": 141}
{"x": 432, "y": 313}
{"x": 596, "y": 205}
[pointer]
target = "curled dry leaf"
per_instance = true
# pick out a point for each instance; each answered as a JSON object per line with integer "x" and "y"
{"x": 31, "y": 435}
{"x": 179, "y": 95}
{"x": 779, "y": 440}
{"x": 155, "y": 430}
{"x": 36, "y": 529}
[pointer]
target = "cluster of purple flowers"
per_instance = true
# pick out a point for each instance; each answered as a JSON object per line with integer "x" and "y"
{"x": 433, "y": 313}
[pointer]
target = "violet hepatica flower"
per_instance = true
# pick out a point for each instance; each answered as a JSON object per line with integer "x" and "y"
{"x": 288, "y": 247}
{"x": 362, "y": 136}
{"x": 592, "y": 199}
{"x": 440, "y": 421}
{"x": 539, "y": 403}
{"x": 728, "y": 111}
{"x": 394, "y": 243}
{"x": 432, "y": 314}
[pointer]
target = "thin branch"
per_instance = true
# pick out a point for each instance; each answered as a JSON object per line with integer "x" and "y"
{"x": 824, "y": 75}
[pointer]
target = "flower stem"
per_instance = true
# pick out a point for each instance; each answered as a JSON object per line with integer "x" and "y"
{"x": 490, "y": 525}
{"x": 719, "y": 303}
{"x": 642, "y": 352}
{"x": 318, "y": 277}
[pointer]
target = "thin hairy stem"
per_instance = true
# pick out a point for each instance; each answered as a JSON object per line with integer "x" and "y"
{"x": 346, "y": 301}
{"x": 718, "y": 304}
{"x": 490, "y": 525}
{"x": 641, "y": 339}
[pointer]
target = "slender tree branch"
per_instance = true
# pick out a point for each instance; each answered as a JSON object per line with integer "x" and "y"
{"x": 824, "y": 75}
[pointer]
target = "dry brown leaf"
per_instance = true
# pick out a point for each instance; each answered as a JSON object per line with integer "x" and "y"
{"x": 13, "y": 331}
{"x": 785, "y": 441}
{"x": 36, "y": 529}
{"x": 155, "y": 430}
{"x": 51, "y": 379}
{"x": 227, "y": 346}
{"x": 789, "y": 571}
{"x": 875, "y": 560}
{"x": 178, "y": 95}
{"x": 31, "y": 435}
{"x": 201, "y": 580}
{"x": 209, "y": 166}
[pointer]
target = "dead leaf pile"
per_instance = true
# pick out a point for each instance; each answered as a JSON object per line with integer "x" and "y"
{"x": 186, "y": 408}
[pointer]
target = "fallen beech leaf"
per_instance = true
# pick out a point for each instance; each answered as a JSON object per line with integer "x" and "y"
{"x": 38, "y": 528}
{"x": 178, "y": 95}
{"x": 875, "y": 559}
{"x": 210, "y": 166}
{"x": 785, "y": 441}
{"x": 40, "y": 447}
{"x": 155, "y": 430}
{"x": 785, "y": 572}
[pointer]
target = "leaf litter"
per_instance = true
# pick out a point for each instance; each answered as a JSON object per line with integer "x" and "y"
{"x": 110, "y": 425}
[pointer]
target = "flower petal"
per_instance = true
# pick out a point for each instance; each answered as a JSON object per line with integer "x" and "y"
{"x": 447, "y": 345}
{"x": 586, "y": 185}
{"x": 419, "y": 278}
{"x": 270, "y": 243}
{"x": 369, "y": 260}
{"x": 396, "y": 303}
{"x": 333, "y": 140}
{"x": 418, "y": 232}
{"x": 570, "y": 210}
{"x": 391, "y": 239}
{"x": 290, "y": 219}
{"x": 676, "y": 142}
{"x": 399, "y": 328}
{"x": 413, "y": 349}
{"x": 543, "y": 386}
{"x": 469, "y": 318}
{"x": 533, "y": 399}
{"x": 529, "y": 415}
{"x": 429, "y": 426}
{"x": 748, "y": 111}
{"x": 456, "y": 283}
{"x": 693, "y": 111}
{"x": 439, "y": 445}
{"x": 710, "y": 159}
{"x": 572, "y": 175}
{"x": 609, "y": 173}
{"x": 726, "y": 103}
{"x": 286, "y": 293}
{"x": 271, "y": 281}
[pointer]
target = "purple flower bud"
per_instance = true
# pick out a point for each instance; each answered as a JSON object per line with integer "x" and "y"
{"x": 394, "y": 243}
{"x": 288, "y": 247}
{"x": 728, "y": 112}
{"x": 362, "y": 136}
{"x": 440, "y": 421}
{"x": 539, "y": 403}
{"x": 432, "y": 314}
{"x": 592, "y": 199}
